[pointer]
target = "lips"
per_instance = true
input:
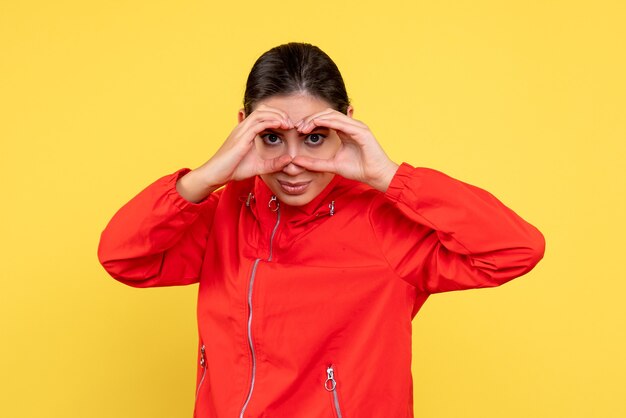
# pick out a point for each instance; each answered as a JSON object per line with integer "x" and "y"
{"x": 294, "y": 188}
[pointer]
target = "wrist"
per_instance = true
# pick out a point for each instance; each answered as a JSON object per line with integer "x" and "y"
{"x": 195, "y": 187}
{"x": 382, "y": 181}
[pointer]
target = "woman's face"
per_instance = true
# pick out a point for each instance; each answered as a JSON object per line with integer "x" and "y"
{"x": 295, "y": 185}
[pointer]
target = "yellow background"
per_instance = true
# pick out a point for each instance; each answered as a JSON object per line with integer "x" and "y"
{"x": 524, "y": 98}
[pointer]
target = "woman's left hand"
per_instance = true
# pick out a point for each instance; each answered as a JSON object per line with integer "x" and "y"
{"x": 360, "y": 157}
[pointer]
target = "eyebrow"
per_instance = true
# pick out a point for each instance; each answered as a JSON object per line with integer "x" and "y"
{"x": 317, "y": 129}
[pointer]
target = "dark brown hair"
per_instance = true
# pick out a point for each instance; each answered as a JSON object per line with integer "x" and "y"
{"x": 292, "y": 68}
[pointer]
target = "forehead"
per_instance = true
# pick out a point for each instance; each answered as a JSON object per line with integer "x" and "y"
{"x": 298, "y": 106}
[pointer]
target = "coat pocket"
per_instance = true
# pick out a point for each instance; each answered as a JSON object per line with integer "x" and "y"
{"x": 331, "y": 386}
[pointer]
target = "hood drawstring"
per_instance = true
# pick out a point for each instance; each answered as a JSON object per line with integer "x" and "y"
{"x": 331, "y": 206}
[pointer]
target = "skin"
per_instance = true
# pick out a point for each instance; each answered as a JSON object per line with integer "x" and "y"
{"x": 294, "y": 184}
{"x": 296, "y": 143}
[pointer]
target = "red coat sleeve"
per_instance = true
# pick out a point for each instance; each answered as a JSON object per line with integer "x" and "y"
{"x": 158, "y": 238}
{"x": 441, "y": 234}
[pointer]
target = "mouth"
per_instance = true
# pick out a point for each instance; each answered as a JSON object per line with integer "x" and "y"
{"x": 294, "y": 188}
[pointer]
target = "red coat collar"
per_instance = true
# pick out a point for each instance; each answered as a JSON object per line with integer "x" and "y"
{"x": 322, "y": 205}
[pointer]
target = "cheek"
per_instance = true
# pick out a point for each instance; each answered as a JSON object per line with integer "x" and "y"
{"x": 269, "y": 180}
{"x": 268, "y": 152}
{"x": 327, "y": 150}
{"x": 322, "y": 180}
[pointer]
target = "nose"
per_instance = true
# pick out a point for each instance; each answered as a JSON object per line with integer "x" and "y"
{"x": 293, "y": 150}
{"x": 293, "y": 169}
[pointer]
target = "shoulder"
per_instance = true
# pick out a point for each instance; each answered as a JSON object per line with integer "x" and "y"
{"x": 358, "y": 197}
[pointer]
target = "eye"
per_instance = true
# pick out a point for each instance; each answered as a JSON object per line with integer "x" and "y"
{"x": 271, "y": 139}
{"x": 314, "y": 139}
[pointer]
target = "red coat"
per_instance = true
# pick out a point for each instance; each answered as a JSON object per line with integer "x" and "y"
{"x": 306, "y": 311}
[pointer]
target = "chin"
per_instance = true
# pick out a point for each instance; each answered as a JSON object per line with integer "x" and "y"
{"x": 297, "y": 191}
{"x": 295, "y": 200}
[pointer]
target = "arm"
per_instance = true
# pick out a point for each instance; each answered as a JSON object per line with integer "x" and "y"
{"x": 441, "y": 234}
{"x": 158, "y": 237}
{"x": 437, "y": 233}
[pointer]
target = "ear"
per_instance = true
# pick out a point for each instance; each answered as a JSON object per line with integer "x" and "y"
{"x": 241, "y": 115}
{"x": 350, "y": 111}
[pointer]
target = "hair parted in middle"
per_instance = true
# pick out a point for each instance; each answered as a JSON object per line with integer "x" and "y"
{"x": 295, "y": 68}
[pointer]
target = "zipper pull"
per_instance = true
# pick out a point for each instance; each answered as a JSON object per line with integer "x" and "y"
{"x": 273, "y": 204}
{"x": 202, "y": 357}
{"x": 330, "y": 384}
{"x": 249, "y": 199}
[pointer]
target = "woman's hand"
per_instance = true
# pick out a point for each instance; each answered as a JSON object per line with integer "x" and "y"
{"x": 237, "y": 158}
{"x": 360, "y": 157}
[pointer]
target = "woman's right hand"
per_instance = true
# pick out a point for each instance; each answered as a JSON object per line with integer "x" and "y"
{"x": 237, "y": 158}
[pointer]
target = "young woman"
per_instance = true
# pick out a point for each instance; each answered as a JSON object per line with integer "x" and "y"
{"x": 313, "y": 251}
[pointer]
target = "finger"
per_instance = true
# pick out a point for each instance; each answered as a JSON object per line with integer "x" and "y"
{"x": 329, "y": 112}
{"x": 309, "y": 118}
{"x": 340, "y": 121}
{"x": 338, "y": 124}
{"x": 264, "y": 108}
{"x": 275, "y": 164}
{"x": 250, "y": 132}
{"x": 264, "y": 111}
{"x": 315, "y": 164}
{"x": 287, "y": 123}
{"x": 244, "y": 135}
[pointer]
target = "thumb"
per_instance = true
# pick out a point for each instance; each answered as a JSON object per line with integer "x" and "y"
{"x": 315, "y": 164}
{"x": 275, "y": 164}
